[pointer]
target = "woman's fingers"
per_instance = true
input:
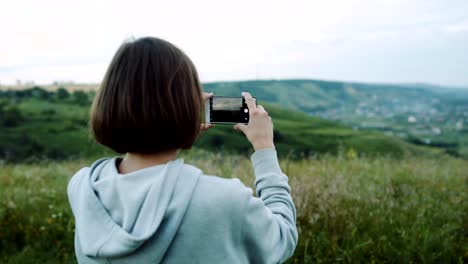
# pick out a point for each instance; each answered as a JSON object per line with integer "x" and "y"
{"x": 249, "y": 101}
{"x": 206, "y": 126}
{"x": 260, "y": 108}
{"x": 240, "y": 127}
{"x": 206, "y": 96}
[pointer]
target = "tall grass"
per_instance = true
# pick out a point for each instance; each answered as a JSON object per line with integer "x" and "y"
{"x": 349, "y": 209}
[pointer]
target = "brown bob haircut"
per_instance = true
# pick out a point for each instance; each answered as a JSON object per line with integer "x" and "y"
{"x": 150, "y": 100}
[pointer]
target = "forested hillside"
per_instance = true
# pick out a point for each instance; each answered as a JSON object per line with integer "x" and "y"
{"x": 420, "y": 114}
{"x": 38, "y": 124}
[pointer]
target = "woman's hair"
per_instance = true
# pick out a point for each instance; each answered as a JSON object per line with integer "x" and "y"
{"x": 150, "y": 100}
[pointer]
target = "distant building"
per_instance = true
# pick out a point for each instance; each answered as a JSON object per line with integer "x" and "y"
{"x": 436, "y": 131}
{"x": 411, "y": 119}
{"x": 427, "y": 141}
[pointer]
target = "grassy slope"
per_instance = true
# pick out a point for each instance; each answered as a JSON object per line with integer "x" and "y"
{"x": 297, "y": 133}
{"x": 348, "y": 209}
{"x": 51, "y": 130}
{"x": 310, "y": 95}
{"x": 59, "y": 130}
{"x": 315, "y": 95}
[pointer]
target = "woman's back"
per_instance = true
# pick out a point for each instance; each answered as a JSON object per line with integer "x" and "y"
{"x": 173, "y": 213}
{"x": 150, "y": 207}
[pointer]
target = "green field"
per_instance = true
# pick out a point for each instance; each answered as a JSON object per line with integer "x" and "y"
{"x": 350, "y": 209}
{"x": 38, "y": 125}
{"x": 361, "y": 196}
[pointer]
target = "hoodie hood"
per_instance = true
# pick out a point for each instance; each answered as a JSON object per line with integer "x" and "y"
{"x": 116, "y": 213}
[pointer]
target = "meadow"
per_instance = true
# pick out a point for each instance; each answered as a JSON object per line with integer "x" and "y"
{"x": 350, "y": 209}
{"x": 37, "y": 123}
{"x": 361, "y": 196}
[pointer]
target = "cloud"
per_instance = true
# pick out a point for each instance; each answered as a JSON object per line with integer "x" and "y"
{"x": 460, "y": 27}
{"x": 86, "y": 73}
{"x": 241, "y": 39}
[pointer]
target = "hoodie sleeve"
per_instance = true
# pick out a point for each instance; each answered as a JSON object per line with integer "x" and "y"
{"x": 268, "y": 228}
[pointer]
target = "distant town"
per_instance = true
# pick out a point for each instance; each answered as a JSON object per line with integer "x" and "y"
{"x": 437, "y": 121}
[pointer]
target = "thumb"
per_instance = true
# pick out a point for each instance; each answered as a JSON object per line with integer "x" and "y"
{"x": 240, "y": 127}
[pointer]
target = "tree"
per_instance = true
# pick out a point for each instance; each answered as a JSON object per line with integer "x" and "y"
{"x": 11, "y": 116}
{"x": 62, "y": 93}
{"x": 80, "y": 98}
{"x": 39, "y": 93}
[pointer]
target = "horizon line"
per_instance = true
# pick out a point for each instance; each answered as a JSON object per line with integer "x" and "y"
{"x": 31, "y": 83}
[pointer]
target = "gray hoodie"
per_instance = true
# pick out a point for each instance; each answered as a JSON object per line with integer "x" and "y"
{"x": 173, "y": 213}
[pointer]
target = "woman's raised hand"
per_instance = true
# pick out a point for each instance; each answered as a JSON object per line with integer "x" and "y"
{"x": 259, "y": 131}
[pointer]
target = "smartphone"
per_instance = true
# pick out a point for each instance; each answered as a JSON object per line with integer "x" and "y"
{"x": 226, "y": 110}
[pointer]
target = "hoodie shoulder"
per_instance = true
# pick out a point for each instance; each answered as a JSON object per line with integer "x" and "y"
{"x": 223, "y": 184}
{"x": 221, "y": 192}
{"x": 75, "y": 179}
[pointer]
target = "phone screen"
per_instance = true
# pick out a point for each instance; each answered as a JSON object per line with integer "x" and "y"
{"x": 228, "y": 110}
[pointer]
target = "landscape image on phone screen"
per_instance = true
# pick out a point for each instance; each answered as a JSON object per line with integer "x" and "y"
{"x": 228, "y": 110}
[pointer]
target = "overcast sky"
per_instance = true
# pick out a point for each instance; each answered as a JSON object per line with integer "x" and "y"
{"x": 355, "y": 40}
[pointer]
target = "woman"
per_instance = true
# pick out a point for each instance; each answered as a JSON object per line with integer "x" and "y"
{"x": 150, "y": 207}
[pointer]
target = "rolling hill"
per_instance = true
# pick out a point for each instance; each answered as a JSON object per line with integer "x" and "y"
{"x": 417, "y": 113}
{"x": 38, "y": 124}
{"x": 315, "y": 95}
{"x": 298, "y": 134}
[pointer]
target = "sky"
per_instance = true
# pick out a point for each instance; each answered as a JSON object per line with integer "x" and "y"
{"x": 378, "y": 41}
